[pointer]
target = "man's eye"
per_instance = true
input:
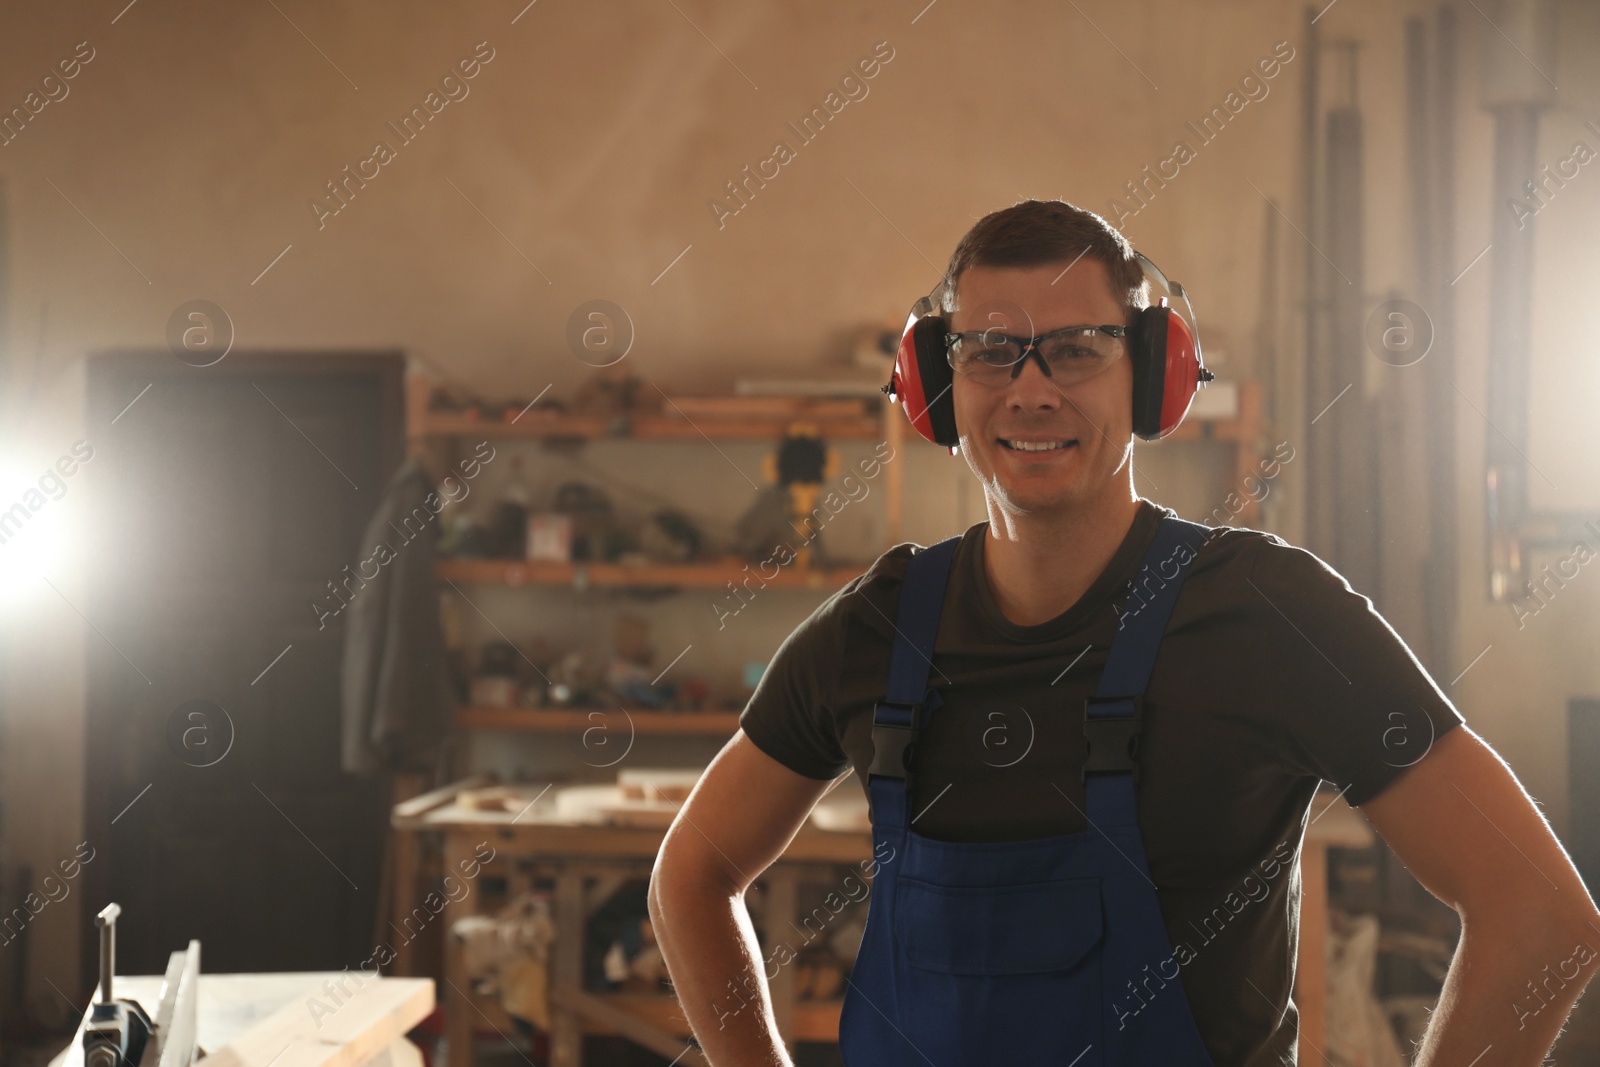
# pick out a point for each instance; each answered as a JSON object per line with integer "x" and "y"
{"x": 1073, "y": 352}
{"x": 997, "y": 355}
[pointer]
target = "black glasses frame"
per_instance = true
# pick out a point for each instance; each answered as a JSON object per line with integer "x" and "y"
{"x": 1029, "y": 344}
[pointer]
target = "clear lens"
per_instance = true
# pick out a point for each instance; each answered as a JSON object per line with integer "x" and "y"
{"x": 1072, "y": 354}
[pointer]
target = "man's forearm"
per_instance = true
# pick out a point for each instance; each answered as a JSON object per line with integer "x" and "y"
{"x": 714, "y": 958}
{"x": 1508, "y": 992}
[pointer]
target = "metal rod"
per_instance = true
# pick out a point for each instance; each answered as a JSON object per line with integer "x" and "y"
{"x": 1316, "y": 510}
{"x": 107, "y": 921}
{"x": 1444, "y": 561}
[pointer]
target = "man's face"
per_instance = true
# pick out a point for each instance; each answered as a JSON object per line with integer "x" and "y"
{"x": 1092, "y": 420}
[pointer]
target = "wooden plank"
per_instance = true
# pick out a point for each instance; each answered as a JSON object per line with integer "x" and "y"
{"x": 753, "y": 428}
{"x": 410, "y": 809}
{"x": 178, "y": 1017}
{"x": 533, "y": 425}
{"x": 591, "y": 1008}
{"x": 576, "y": 720}
{"x": 1310, "y": 980}
{"x": 566, "y": 971}
{"x": 814, "y": 1020}
{"x": 547, "y": 840}
{"x": 324, "y": 1030}
{"x": 709, "y": 575}
{"x": 776, "y": 407}
{"x": 458, "y": 1022}
{"x": 403, "y": 895}
{"x": 724, "y": 417}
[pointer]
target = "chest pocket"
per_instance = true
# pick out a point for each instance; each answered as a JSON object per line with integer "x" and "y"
{"x": 1038, "y": 928}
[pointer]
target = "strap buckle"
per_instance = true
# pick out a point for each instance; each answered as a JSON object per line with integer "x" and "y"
{"x": 1113, "y": 739}
{"x": 894, "y": 741}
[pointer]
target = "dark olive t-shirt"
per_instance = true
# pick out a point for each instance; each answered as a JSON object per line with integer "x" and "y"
{"x": 1272, "y": 675}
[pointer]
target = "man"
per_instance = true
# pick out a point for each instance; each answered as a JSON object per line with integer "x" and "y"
{"x": 1002, "y": 921}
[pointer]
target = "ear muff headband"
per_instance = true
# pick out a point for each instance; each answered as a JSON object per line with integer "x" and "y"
{"x": 1163, "y": 348}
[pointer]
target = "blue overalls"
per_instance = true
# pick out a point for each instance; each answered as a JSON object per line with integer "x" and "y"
{"x": 1043, "y": 951}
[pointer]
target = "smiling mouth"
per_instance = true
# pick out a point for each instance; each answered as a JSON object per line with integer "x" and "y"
{"x": 1037, "y": 446}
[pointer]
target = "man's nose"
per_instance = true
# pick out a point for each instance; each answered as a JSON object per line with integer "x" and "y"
{"x": 1032, "y": 389}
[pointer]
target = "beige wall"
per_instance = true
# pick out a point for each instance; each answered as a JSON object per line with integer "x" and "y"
{"x": 589, "y": 148}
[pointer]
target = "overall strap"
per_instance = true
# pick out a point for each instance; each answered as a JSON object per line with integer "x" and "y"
{"x": 1114, "y": 716}
{"x": 897, "y": 720}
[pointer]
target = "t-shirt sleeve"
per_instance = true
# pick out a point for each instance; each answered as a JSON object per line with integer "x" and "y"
{"x": 1353, "y": 704}
{"x": 790, "y": 716}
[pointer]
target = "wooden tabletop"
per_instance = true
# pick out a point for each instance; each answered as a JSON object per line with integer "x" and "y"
{"x": 1333, "y": 824}
{"x": 289, "y": 1019}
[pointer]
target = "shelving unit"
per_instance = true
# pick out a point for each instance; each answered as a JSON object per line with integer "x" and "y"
{"x": 740, "y": 419}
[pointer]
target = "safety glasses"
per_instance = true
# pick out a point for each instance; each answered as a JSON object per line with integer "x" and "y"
{"x": 1067, "y": 355}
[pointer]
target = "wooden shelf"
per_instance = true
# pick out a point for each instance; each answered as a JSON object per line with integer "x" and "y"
{"x": 814, "y": 1020}
{"x": 536, "y": 425}
{"x": 754, "y": 424}
{"x": 1243, "y": 429}
{"x": 576, "y": 720}
{"x": 753, "y": 428}
{"x": 712, "y": 575}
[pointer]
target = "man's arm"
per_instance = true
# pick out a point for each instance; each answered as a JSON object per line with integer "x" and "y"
{"x": 742, "y": 814}
{"x": 1530, "y": 934}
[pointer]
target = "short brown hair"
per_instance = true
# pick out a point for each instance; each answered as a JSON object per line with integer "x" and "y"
{"x": 1031, "y": 233}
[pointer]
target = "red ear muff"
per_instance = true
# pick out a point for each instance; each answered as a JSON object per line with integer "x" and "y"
{"x": 922, "y": 379}
{"x": 1166, "y": 371}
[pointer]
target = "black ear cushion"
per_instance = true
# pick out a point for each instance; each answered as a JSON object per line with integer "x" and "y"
{"x": 1147, "y": 349}
{"x": 933, "y": 367}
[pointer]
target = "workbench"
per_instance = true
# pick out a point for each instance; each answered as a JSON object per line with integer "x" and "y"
{"x": 291, "y": 1019}
{"x": 587, "y": 862}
